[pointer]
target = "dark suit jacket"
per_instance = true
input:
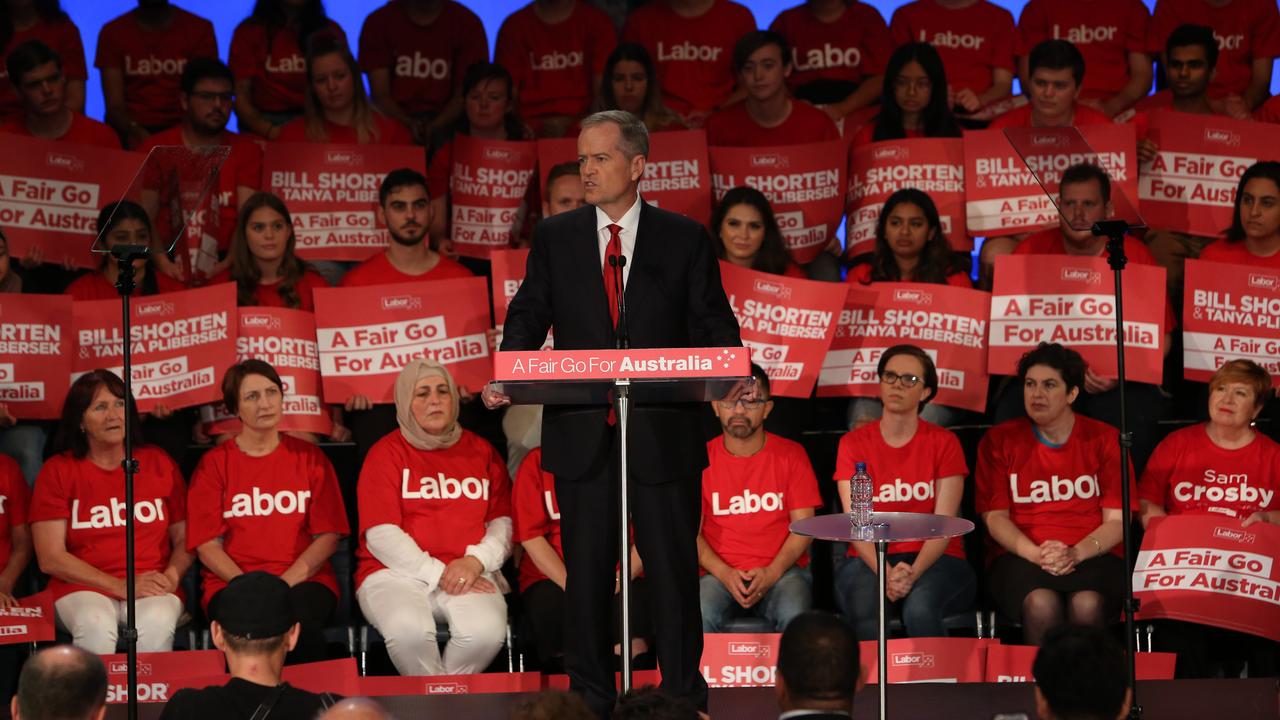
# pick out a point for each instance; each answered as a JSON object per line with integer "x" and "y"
{"x": 674, "y": 299}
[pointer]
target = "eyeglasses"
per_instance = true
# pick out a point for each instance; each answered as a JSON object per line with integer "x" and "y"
{"x": 746, "y": 404}
{"x": 890, "y": 377}
{"x": 920, "y": 84}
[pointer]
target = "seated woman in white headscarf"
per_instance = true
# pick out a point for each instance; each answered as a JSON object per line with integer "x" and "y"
{"x": 435, "y": 528}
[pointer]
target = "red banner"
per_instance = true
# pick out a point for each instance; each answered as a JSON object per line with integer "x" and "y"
{"x": 1012, "y": 663}
{"x": 1071, "y": 300}
{"x": 1190, "y": 186}
{"x": 787, "y": 323}
{"x": 378, "y": 686}
{"x": 367, "y": 334}
{"x": 878, "y": 170}
{"x": 1212, "y": 571}
{"x": 637, "y": 364}
{"x": 181, "y": 342}
{"x": 161, "y": 674}
{"x": 286, "y": 339}
{"x": 30, "y": 621}
{"x": 332, "y": 194}
{"x": 487, "y": 188}
{"x": 35, "y": 354}
{"x": 50, "y": 194}
{"x": 949, "y": 323}
{"x": 927, "y": 660}
{"x": 1002, "y": 195}
{"x": 740, "y": 659}
{"x": 639, "y": 678}
{"x": 327, "y": 676}
{"x": 1229, "y": 312}
{"x": 805, "y": 185}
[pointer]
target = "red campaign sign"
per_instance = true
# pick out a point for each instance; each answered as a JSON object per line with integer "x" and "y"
{"x": 332, "y": 194}
{"x": 927, "y": 660}
{"x": 805, "y": 185}
{"x": 1229, "y": 312}
{"x": 488, "y": 184}
{"x": 35, "y": 354}
{"x": 877, "y": 170}
{"x": 328, "y": 676}
{"x": 50, "y": 194}
{"x": 677, "y": 173}
{"x": 30, "y": 621}
{"x": 636, "y": 364}
{"x": 1002, "y": 196}
{"x": 367, "y": 334}
{"x": 379, "y": 686}
{"x": 1212, "y": 571}
{"x": 740, "y": 659}
{"x": 787, "y": 323}
{"x": 1071, "y": 300}
{"x": 286, "y": 339}
{"x": 949, "y": 323}
{"x": 161, "y": 674}
{"x": 508, "y": 273}
{"x": 1012, "y": 664}
{"x": 182, "y": 342}
{"x": 639, "y": 679}
{"x": 1190, "y": 186}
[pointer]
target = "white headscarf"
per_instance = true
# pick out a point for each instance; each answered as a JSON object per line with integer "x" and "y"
{"x": 413, "y": 433}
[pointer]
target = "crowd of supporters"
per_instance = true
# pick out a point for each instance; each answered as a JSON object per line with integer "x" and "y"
{"x": 441, "y": 523}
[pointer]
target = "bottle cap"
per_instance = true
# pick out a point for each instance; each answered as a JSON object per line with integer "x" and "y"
{"x": 860, "y": 467}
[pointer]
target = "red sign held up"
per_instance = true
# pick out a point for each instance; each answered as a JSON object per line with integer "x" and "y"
{"x": 30, "y": 621}
{"x": 877, "y": 170}
{"x": 488, "y": 184}
{"x": 35, "y": 354}
{"x": 1229, "y": 312}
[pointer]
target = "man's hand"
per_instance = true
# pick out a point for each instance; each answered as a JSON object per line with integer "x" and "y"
{"x": 759, "y": 582}
{"x": 1234, "y": 106}
{"x": 1258, "y": 517}
{"x": 358, "y": 402}
{"x": 1095, "y": 384}
{"x": 151, "y": 584}
{"x": 1147, "y": 150}
{"x": 736, "y": 582}
{"x": 492, "y": 398}
{"x": 902, "y": 578}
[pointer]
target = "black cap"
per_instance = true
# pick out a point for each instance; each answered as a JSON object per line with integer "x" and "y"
{"x": 255, "y": 606}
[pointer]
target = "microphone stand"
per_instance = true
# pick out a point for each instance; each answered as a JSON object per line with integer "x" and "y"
{"x": 1115, "y": 231}
{"x": 622, "y": 398}
{"x": 124, "y": 256}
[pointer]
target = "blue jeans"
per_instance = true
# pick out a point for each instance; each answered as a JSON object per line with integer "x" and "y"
{"x": 24, "y": 442}
{"x": 790, "y": 596}
{"x": 946, "y": 588}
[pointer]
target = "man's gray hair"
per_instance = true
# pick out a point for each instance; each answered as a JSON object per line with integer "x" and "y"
{"x": 635, "y": 136}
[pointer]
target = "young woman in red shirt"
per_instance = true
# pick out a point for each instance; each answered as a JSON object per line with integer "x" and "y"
{"x": 264, "y": 263}
{"x": 747, "y": 234}
{"x": 1254, "y": 236}
{"x": 913, "y": 101}
{"x": 631, "y": 83}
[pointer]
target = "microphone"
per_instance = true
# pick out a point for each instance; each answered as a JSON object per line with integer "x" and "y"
{"x": 618, "y": 263}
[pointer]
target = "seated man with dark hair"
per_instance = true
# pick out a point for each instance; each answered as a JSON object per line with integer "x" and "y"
{"x": 63, "y": 682}
{"x": 818, "y": 668}
{"x": 1081, "y": 675}
{"x": 36, "y": 73}
{"x": 1055, "y": 73}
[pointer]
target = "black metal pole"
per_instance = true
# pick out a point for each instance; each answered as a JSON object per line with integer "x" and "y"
{"x": 1115, "y": 231}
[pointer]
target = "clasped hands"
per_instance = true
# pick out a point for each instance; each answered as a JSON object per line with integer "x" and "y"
{"x": 1058, "y": 558}
{"x": 748, "y": 587}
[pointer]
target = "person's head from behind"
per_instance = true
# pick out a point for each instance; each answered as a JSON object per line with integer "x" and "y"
{"x": 359, "y": 708}
{"x": 93, "y": 415}
{"x": 1080, "y": 675}
{"x": 1237, "y": 393}
{"x": 405, "y": 206}
{"x": 208, "y": 92}
{"x": 253, "y": 391}
{"x": 564, "y": 190}
{"x": 61, "y": 683}
{"x": 909, "y": 231}
{"x": 1257, "y": 208}
{"x": 744, "y": 419}
{"x": 651, "y": 703}
{"x": 612, "y": 149}
{"x": 1055, "y": 70}
{"x": 818, "y": 667}
{"x": 762, "y": 64}
{"x": 908, "y": 379}
{"x": 915, "y": 88}
{"x": 1191, "y": 54}
{"x": 488, "y": 101}
{"x": 36, "y": 73}
{"x": 630, "y": 82}
{"x": 747, "y": 231}
{"x": 553, "y": 705}
{"x": 253, "y": 616}
{"x": 1084, "y": 198}
{"x": 1052, "y": 376}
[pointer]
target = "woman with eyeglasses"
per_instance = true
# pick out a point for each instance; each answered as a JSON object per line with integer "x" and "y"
{"x": 1048, "y": 489}
{"x": 916, "y": 466}
{"x": 913, "y": 99}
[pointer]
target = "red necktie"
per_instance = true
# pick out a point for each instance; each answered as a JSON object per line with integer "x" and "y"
{"x": 614, "y": 249}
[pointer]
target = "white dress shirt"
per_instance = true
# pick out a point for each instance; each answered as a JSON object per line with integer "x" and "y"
{"x": 629, "y": 221}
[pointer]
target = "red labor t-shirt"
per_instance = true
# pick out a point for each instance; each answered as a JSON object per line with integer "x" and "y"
{"x": 268, "y": 294}
{"x": 91, "y": 501}
{"x": 860, "y": 274}
{"x": 388, "y": 132}
{"x": 1021, "y": 117}
{"x": 1269, "y": 112}
{"x": 554, "y": 66}
{"x": 266, "y": 509}
{"x": 272, "y": 58}
{"x": 378, "y": 270}
{"x": 747, "y": 501}
{"x": 152, "y": 61}
{"x": 905, "y": 478}
{"x": 733, "y": 127}
{"x": 426, "y": 63}
{"x": 93, "y": 285}
{"x": 693, "y": 56}
{"x": 535, "y": 513}
{"x": 1237, "y": 253}
{"x": 973, "y": 41}
{"x": 13, "y": 504}
{"x": 1189, "y": 473}
{"x": 1105, "y": 32}
{"x": 81, "y": 131}
{"x": 1051, "y": 493}
{"x": 852, "y": 48}
{"x": 63, "y": 37}
{"x": 1245, "y": 30}
{"x": 441, "y": 498}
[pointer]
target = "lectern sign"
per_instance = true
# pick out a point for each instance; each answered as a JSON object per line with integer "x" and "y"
{"x": 638, "y": 364}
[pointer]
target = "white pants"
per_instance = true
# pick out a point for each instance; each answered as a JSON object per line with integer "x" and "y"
{"x": 406, "y": 613}
{"x": 93, "y": 619}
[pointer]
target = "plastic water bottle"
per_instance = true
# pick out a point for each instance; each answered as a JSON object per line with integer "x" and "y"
{"x": 860, "y": 491}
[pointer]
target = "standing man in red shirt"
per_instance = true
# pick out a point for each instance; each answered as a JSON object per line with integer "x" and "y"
{"x": 141, "y": 56}
{"x": 768, "y": 115}
{"x": 414, "y": 52}
{"x": 1248, "y": 35}
{"x": 691, "y": 42}
{"x": 976, "y": 39}
{"x": 755, "y": 486}
{"x": 556, "y": 52}
{"x": 37, "y": 76}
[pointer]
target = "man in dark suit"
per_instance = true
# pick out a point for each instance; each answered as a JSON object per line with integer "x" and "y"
{"x": 674, "y": 299}
{"x": 818, "y": 668}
